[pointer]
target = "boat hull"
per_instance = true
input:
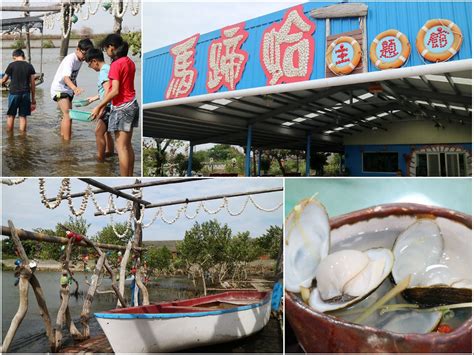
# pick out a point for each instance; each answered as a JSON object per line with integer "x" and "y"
{"x": 180, "y": 331}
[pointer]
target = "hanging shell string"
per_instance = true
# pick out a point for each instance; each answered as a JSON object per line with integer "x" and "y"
{"x": 226, "y": 201}
{"x": 263, "y": 208}
{"x": 146, "y": 225}
{"x": 196, "y": 211}
{"x": 84, "y": 202}
{"x": 11, "y": 182}
{"x": 90, "y": 9}
{"x": 116, "y": 8}
{"x": 215, "y": 211}
{"x": 134, "y": 7}
{"x": 124, "y": 210}
{"x": 65, "y": 34}
{"x": 127, "y": 225}
{"x": 63, "y": 190}
{"x": 171, "y": 221}
{"x": 99, "y": 209}
{"x": 49, "y": 20}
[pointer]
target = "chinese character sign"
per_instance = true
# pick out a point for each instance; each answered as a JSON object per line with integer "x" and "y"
{"x": 390, "y": 49}
{"x": 226, "y": 59}
{"x": 439, "y": 39}
{"x": 184, "y": 74}
{"x": 287, "y": 48}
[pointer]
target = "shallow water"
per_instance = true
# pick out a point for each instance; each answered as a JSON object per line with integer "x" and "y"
{"x": 42, "y": 152}
{"x": 31, "y": 336}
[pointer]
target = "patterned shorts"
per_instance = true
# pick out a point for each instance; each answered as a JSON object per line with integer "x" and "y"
{"x": 124, "y": 118}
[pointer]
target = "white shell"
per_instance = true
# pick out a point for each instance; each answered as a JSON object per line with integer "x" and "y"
{"x": 370, "y": 279}
{"x": 306, "y": 243}
{"x": 412, "y": 322}
{"x": 416, "y": 249}
{"x": 337, "y": 270}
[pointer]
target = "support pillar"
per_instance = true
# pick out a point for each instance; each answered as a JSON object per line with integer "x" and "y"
{"x": 308, "y": 154}
{"x": 247, "y": 151}
{"x": 259, "y": 164}
{"x": 190, "y": 160}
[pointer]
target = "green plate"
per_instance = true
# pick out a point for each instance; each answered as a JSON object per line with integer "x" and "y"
{"x": 81, "y": 102}
{"x": 80, "y": 115}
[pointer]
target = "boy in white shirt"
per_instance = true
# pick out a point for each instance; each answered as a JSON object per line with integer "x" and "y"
{"x": 64, "y": 85}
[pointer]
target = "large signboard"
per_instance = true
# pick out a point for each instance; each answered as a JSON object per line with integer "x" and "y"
{"x": 291, "y": 45}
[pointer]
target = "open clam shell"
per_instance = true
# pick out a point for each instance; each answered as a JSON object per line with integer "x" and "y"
{"x": 341, "y": 282}
{"x": 379, "y": 226}
{"x": 399, "y": 321}
{"x": 420, "y": 251}
{"x": 306, "y": 243}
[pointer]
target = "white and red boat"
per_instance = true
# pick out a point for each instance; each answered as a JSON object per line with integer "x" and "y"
{"x": 172, "y": 326}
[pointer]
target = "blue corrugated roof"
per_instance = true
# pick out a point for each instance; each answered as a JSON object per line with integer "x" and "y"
{"x": 407, "y": 17}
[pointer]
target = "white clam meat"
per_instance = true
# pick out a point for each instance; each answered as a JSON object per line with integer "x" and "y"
{"x": 307, "y": 243}
{"x": 348, "y": 276}
{"x": 416, "y": 249}
{"x": 420, "y": 251}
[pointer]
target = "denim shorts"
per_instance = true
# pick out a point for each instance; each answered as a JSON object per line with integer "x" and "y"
{"x": 124, "y": 118}
{"x": 19, "y": 103}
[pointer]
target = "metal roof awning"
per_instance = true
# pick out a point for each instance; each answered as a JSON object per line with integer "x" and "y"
{"x": 18, "y": 23}
{"x": 282, "y": 116}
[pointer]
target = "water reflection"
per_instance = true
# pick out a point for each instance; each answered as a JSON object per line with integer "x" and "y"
{"x": 42, "y": 152}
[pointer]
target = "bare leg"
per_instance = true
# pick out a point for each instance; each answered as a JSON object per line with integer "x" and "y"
{"x": 23, "y": 124}
{"x": 109, "y": 144}
{"x": 131, "y": 153}
{"x": 10, "y": 123}
{"x": 122, "y": 142}
{"x": 66, "y": 124}
{"x": 100, "y": 139}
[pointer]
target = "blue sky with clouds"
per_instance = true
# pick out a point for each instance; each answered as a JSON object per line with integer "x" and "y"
{"x": 21, "y": 203}
{"x": 165, "y": 23}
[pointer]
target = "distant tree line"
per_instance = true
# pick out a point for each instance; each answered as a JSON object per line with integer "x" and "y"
{"x": 209, "y": 251}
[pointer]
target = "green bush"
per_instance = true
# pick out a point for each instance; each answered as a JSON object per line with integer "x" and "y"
{"x": 48, "y": 44}
{"x": 18, "y": 44}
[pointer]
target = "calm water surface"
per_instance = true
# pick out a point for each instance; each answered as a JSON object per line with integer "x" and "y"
{"x": 42, "y": 152}
{"x": 31, "y": 336}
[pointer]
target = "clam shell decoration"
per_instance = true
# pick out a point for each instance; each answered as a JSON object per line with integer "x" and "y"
{"x": 307, "y": 243}
{"x": 348, "y": 276}
{"x": 419, "y": 251}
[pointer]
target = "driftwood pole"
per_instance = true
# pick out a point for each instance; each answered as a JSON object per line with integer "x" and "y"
{"x": 106, "y": 264}
{"x": 67, "y": 14}
{"x": 64, "y": 313}
{"x": 118, "y": 20}
{"x": 123, "y": 270}
{"x": 86, "y": 308}
{"x": 138, "y": 238}
{"x": 28, "y": 44}
{"x": 25, "y": 274}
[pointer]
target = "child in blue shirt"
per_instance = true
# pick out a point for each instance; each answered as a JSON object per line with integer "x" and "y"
{"x": 105, "y": 143}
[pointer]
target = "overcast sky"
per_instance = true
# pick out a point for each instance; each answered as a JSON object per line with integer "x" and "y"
{"x": 21, "y": 203}
{"x": 101, "y": 22}
{"x": 165, "y": 23}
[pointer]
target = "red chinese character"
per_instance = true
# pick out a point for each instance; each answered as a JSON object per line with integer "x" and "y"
{"x": 389, "y": 49}
{"x": 184, "y": 74}
{"x": 287, "y": 49}
{"x": 438, "y": 38}
{"x": 227, "y": 60}
{"x": 342, "y": 55}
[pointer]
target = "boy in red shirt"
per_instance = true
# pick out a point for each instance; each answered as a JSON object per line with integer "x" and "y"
{"x": 124, "y": 113}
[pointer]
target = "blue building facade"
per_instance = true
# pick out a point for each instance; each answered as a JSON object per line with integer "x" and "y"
{"x": 404, "y": 159}
{"x": 407, "y": 17}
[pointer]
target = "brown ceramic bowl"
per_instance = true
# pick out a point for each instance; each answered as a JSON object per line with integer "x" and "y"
{"x": 318, "y": 332}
